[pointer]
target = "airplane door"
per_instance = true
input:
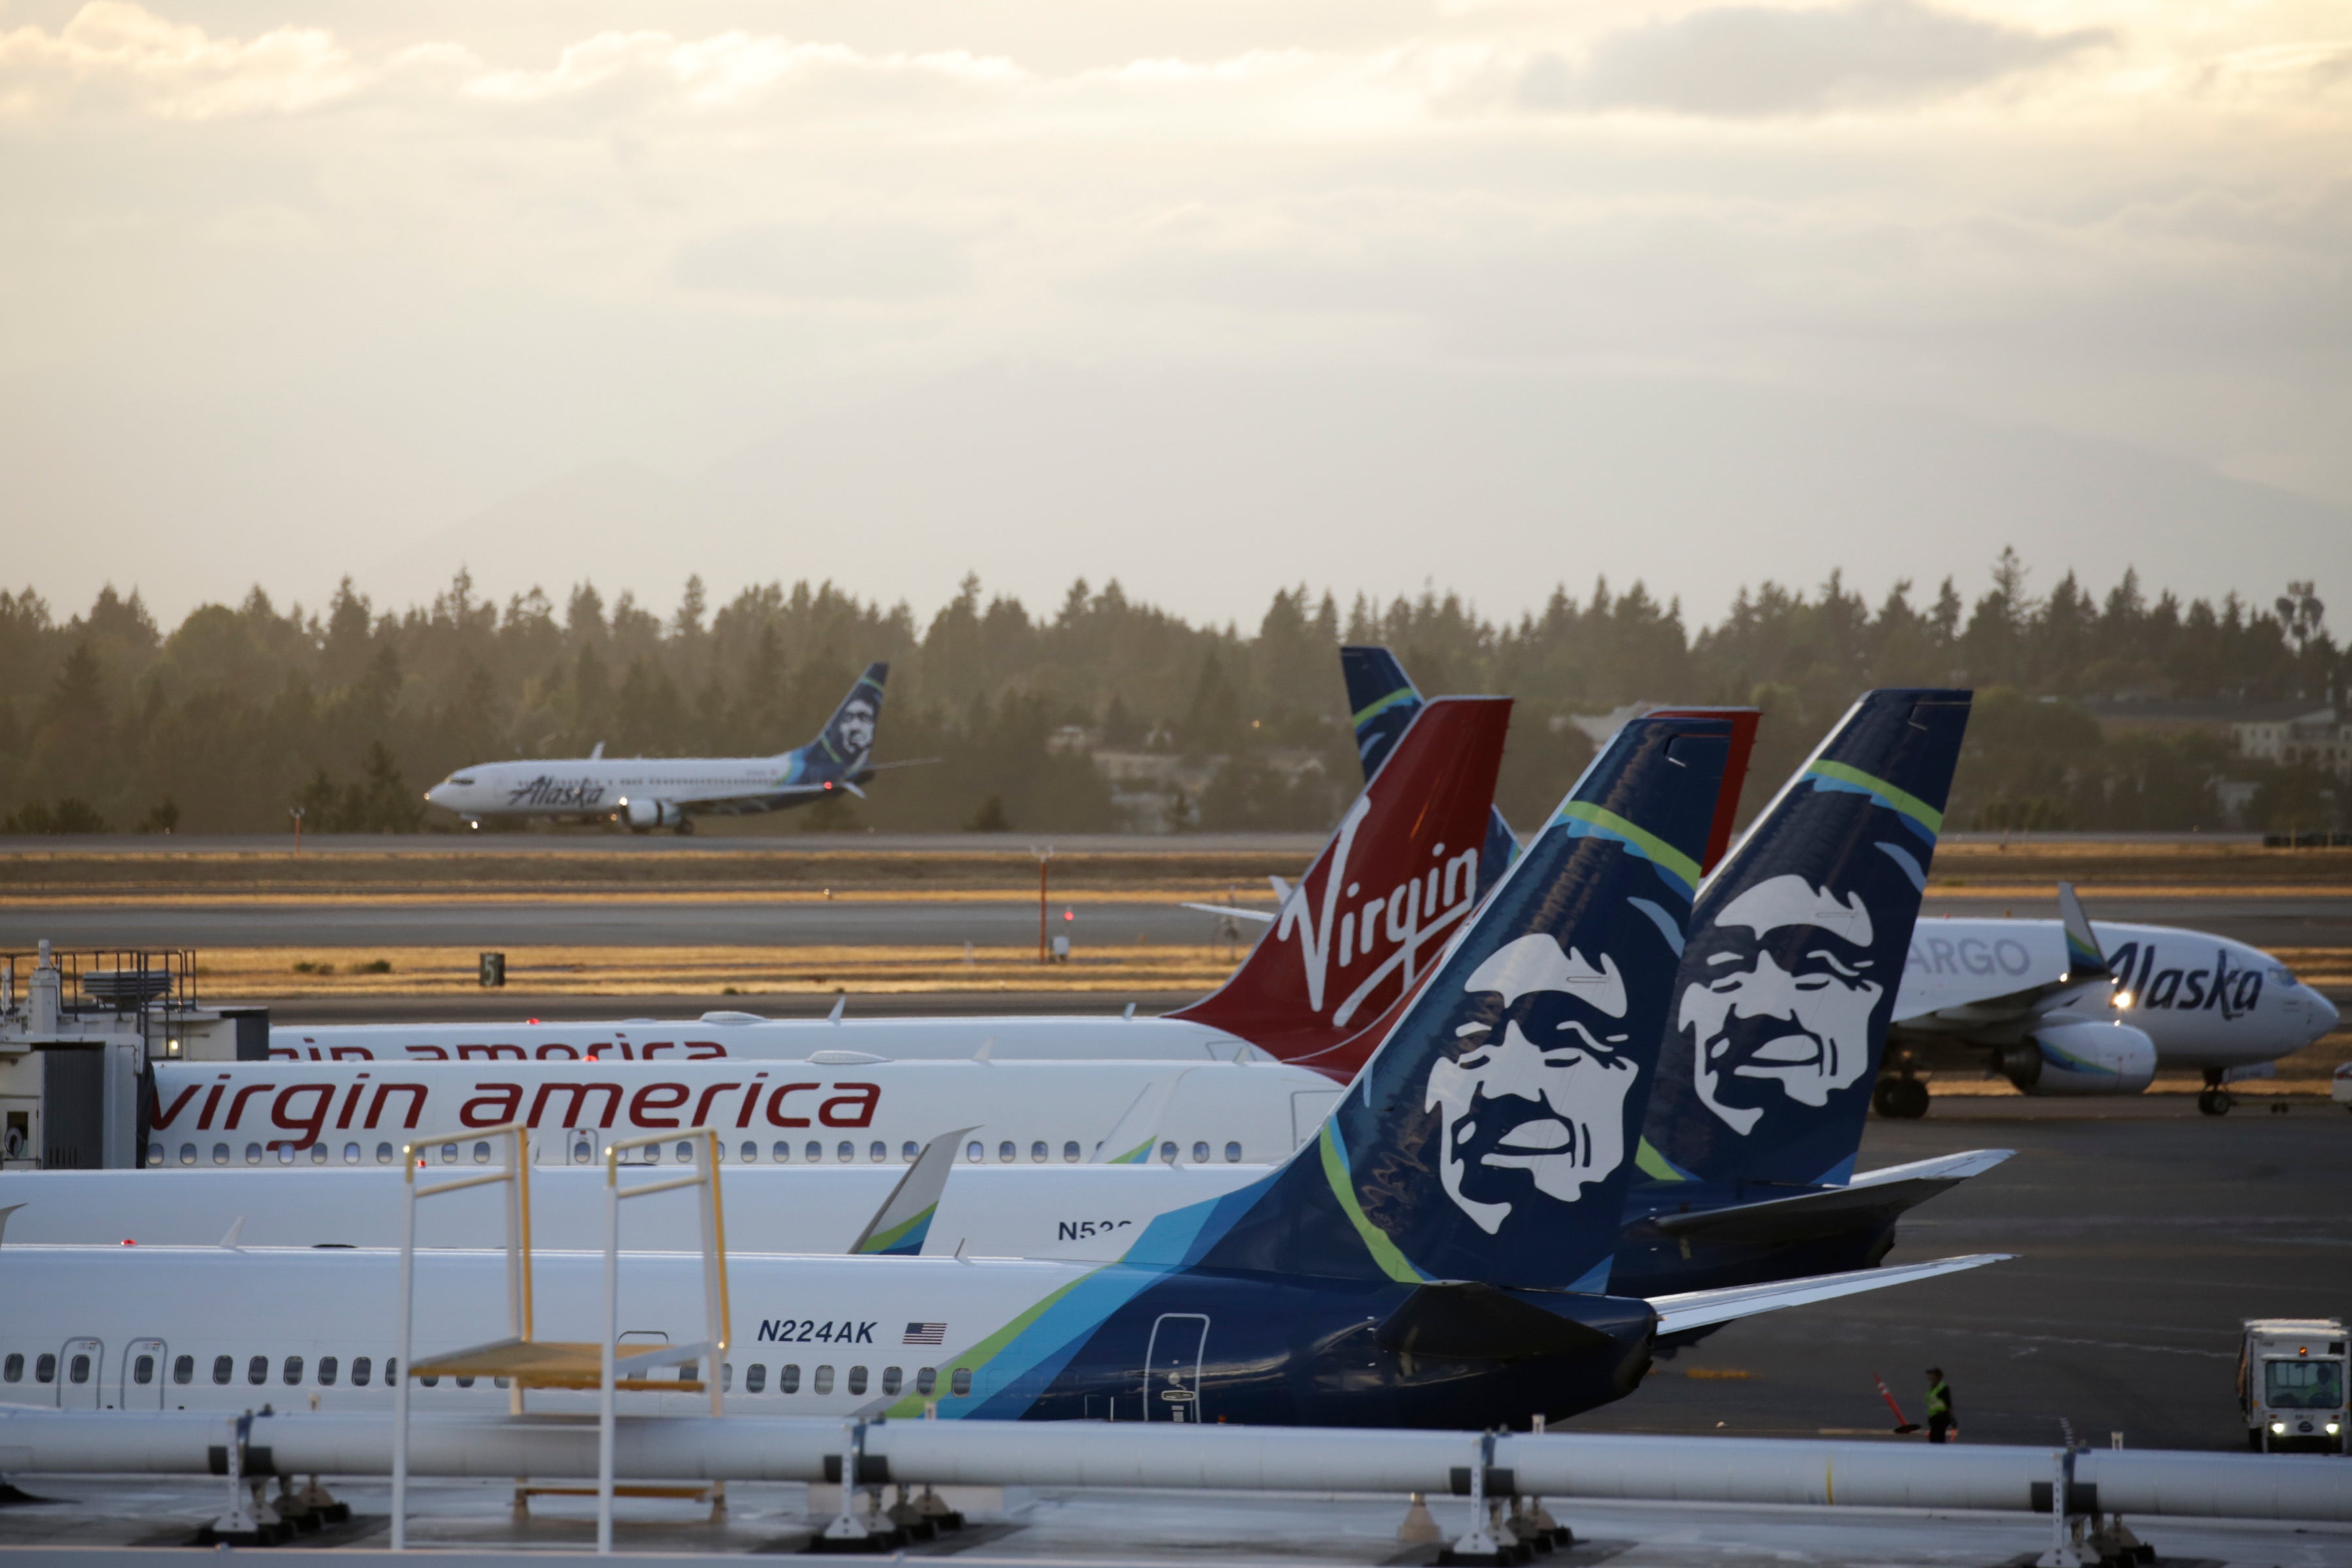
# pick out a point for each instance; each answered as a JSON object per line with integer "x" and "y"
{"x": 78, "y": 1369}
{"x": 1171, "y": 1367}
{"x": 142, "y": 1375}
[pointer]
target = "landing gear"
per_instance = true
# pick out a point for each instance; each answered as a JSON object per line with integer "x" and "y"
{"x": 2213, "y": 1100}
{"x": 1900, "y": 1098}
{"x": 685, "y": 828}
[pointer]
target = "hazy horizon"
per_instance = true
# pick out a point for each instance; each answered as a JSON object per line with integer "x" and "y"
{"x": 1211, "y": 299}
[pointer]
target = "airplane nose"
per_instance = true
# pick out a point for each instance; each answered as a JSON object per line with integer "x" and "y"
{"x": 2324, "y": 1016}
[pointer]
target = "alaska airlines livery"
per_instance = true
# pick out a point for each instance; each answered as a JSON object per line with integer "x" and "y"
{"x": 1437, "y": 1256}
{"x": 645, "y": 793}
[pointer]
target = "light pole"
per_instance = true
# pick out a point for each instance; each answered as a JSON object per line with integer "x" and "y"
{"x": 295, "y": 813}
{"x": 1044, "y": 856}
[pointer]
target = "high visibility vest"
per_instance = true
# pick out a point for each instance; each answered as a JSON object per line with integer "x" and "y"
{"x": 1939, "y": 1400}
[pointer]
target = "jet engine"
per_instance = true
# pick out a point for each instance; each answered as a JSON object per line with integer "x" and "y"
{"x": 638, "y": 815}
{"x": 2080, "y": 1057}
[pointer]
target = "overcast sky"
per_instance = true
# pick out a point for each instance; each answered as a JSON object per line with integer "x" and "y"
{"x": 291, "y": 291}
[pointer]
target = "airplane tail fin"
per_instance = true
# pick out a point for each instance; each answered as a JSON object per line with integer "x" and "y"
{"x": 1491, "y": 1135}
{"x": 1381, "y": 701}
{"x": 846, "y": 745}
{"x": 1392, "y": 885}
{"x": 2084, "y": 959}
{"x": 1797, "y": 949}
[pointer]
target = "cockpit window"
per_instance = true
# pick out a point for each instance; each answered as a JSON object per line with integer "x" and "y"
{"x": 461, "y": 782}
{"x": 2282, "y": 976}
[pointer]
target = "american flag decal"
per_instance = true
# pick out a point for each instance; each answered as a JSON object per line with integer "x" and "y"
{"x": 925, "y": 1333}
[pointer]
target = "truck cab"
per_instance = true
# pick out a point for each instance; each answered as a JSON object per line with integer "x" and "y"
{"x": 2291, "y": 1386}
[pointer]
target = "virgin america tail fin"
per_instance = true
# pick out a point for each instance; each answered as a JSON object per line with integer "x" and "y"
{"x": 1394, "y": 883}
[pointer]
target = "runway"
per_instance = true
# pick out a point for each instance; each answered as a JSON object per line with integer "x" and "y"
{"x": 623, "y": 921}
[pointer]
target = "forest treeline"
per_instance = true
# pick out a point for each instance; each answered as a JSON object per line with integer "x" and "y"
{"x": 350, "y": 709}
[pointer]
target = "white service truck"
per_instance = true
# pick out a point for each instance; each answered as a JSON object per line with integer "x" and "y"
{"x": 2291, "y": 1386}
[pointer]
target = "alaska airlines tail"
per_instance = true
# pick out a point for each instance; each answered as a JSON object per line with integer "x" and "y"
{"x": 1782, "y": 999}
{"x": 1382, "y": 702}
{"x": 843, "y": 751}
{"x": 1491, "y": 1135}
{"x": 1392, "y": 885}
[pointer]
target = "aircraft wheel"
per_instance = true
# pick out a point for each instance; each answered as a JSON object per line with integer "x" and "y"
{"x": 2214, "y": 1101}
{"x": 1882, "y": 1096}
{"x": 686, "y": 827}
{"x": 1910, "y": 1099}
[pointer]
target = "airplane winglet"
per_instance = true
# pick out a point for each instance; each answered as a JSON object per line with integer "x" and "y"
{"x": 840, "y": 1005}
{"x": 1134, "y": 1133}
{"x": 235, "y": 1229}
{"x": 5, "y": 1210}
{"x": 2084, "y": 959}
{"x": 986, "y": 1047}
{"x": 1264, "y": 917}
{"x": 899, "y": 1226}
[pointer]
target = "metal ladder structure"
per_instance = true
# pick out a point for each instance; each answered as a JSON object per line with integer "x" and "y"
{"x": 526, "y": 1362}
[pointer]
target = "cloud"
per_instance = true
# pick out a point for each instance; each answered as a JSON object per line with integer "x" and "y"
{"x": 1747, "y": 61}
{"x": 112, "y": 48}
{"x": 877, "y": 261}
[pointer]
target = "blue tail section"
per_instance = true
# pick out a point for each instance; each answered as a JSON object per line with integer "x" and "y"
{"x": 1491, "y": 1134}
{"x": 1381, "y": 702}
{"x": 845, "y": 747}
{"x": 1797, "y": 949}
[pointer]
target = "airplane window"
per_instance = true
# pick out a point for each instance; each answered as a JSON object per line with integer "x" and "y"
{"x": 142, "y": 1371}
{"x": 253, "y": 1153}
{"x": 468, "y": 784}
{"x": 961, "y": 1382}
{"x": 466, "y": 1381}
{"x": 892, "y": 1376}
{"x": 1037, "y": 1152}
{"x": 258, "y": 1370}
{"x": 927, "y": 1380}
{"x": 910, "y": 1150}
{"x": 823, "y": 1381}
{"x": 1233, "y": 1154}
{"x": 360, "y": 1371}
{"x": 183, "y": 1370}
{"x": 286, "y": 1153}
{"x": 220, "y": 1153}
{"x": 1070, "y": 1153}
{"x": 845, "y": 1153}
{"x": 223, "y": 1368}
{"x": 1200, "y": 1153}
{"x": 975, "y": 1152}
{"x": 448, "y": 1153}
{"x": 187, "y": 1153}
{"x": 782, "y": 1153}
{"x": 482, "y": 1157}
{"x": 383, "y": 1154}
{"x": 582, "y": 1151}
{"x": 45, "y": 1368}
{"x": 719, "y": 1152}
{"x": 689, "y": 1370}
{"x": 154, "y": 1154}
{"x": 877, "y": 1151}
{"x": 857, "y": 1379}
{"x": 293, "y": 1373}
{"x": 351, "y": 1153}
{"x": 751, "y": 1153}
{"x": 788, "y": 1379}
{"x": 80, "y": 1370}
{"x": 430, "y": 1380}
{"x": 317, "y": 1154}
{"x": 13, "y": 1369}
{"x": 726, "y": 1378}
{"x": 755, "y": 1376}
{"x": 685, "y": 1157}
{"x": 327, "y": 1367}
{"x": 1004, "y": 1152}
{"x": 1168, "y": 1154}
{"x": 815, "y": 1152}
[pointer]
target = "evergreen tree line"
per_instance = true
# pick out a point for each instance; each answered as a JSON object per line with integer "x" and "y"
{"x": 242, "y": 713}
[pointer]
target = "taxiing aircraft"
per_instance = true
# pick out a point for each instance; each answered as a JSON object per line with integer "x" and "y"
{"x": 645, "y": 792}
{"x": 1438, "y": 1255}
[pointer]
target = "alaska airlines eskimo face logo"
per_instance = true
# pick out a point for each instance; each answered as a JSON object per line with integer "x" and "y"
{"x": 1534, "y": 1101}
{"x": 1781, "y": 1012}
{"x": 856, "y": 726}
{"x": 563, "y": 794}
{"x": 1352, "y": 926}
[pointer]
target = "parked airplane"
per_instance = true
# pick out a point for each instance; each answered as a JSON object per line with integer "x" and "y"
{"x": 2030, "y": 1000}
{"x": 645, "y": 792}
{"x": 1389, "y": 887}
{"x": 1438, "y": 1255}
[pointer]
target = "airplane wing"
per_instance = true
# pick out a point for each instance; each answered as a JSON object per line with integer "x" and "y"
{"x": 2084, "y": 980}
{"x": 1875, "y": 1196}
{"x": 1262, "y": 916}
{"x": 1698, "y": 1308}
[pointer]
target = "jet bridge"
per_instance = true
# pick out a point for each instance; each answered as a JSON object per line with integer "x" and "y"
{"x": 79, "y": 1031}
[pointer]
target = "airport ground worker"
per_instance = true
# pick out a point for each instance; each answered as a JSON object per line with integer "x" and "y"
{"x": 1939, "y": 1406}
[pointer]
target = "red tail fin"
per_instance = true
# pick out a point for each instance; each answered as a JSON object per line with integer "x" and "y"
{"x": 1381, "y": 901}
{"x": 1735, "y": 771}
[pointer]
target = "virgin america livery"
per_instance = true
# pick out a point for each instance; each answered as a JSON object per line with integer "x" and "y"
{"x": 1437, "y": 1256}
{"x": 645, "y": 792}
